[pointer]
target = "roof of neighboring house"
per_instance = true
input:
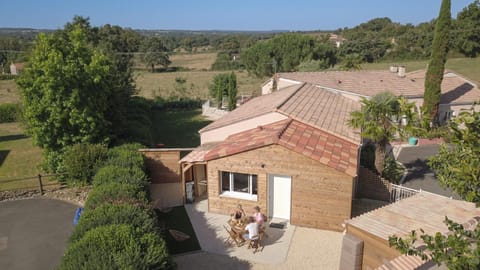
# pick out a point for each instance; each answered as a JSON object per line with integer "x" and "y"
{"x": 424, "y": 210}
{"x": 198, "y": 154}
{"x": 455, "y": 89}
{"x": 253, "y": 108}
{"x": 324, "y": 109}
{"x": 296, "y": 136}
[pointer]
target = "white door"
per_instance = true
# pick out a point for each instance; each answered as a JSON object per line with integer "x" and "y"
{"x": 280, "y": 196}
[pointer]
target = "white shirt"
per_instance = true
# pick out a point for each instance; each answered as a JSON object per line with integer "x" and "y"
{"x": 252, "y": 229}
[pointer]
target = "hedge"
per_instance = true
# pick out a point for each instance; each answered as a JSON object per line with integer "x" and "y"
{"x": 118, "y": 246}
{"x": 126, "y": 156}
{"x": 116, "y": 174}
{"x": 140, "y": 218}
{"x": 10, "y": 112}
{"x": 82, "y": 161}
{"x": 116, "y": 193}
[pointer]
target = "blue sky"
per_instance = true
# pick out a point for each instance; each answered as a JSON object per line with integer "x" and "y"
{"x": 220, "y": 14}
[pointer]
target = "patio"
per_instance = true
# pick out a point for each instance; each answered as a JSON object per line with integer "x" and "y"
{"x": 212, "y": 235}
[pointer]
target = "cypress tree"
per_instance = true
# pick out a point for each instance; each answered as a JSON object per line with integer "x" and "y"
{"x": 436, "y": 65}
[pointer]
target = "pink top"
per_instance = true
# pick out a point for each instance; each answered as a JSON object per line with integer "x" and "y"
{"x": 259, "y": 218}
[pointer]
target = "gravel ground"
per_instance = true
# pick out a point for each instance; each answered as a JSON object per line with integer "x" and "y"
{"x": 73, "y": 195}
{"x": 309, "y": 249}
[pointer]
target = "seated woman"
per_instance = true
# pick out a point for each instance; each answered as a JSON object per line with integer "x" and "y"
{"x": 238, "y": 214}
{"x": 251, "y": 230}
{"x": 259, "y": 217}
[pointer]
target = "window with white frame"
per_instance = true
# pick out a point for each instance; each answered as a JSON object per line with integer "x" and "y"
{"x": 238, "y": 185}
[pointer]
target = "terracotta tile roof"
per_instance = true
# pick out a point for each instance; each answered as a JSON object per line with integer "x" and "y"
{"x": 198, "y": 154}
{"x": 424, "y": 210}
{"x": 455, "y": 89}
{"x": 324, "y": 109}
{"x": 253, "y": 108}
{"x": 301, "y": 138}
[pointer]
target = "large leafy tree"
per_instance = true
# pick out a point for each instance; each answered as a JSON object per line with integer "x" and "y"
{"x": 155, "y": 53}
{"x": 65, "y": 91}
{"x": 378, "y": 121}
{"x": 456, "y": 166}
{"x": 467, "y": 37}
{"x": 436, "y": 65}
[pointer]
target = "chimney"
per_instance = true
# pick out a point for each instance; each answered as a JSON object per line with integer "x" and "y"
{"x": 401, "y": 71}
{"x": 394, "y": 68}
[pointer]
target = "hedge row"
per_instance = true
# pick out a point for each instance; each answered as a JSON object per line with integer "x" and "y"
{"x": 117, "y": 229}
{"x": 10, "y": 112}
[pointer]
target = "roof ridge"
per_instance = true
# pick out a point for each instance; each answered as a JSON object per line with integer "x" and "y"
{"x": 289, "y": 97}
{"x": 281, "y": 131}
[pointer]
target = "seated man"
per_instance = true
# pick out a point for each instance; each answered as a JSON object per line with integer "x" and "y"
{"x": 251, "y": 229}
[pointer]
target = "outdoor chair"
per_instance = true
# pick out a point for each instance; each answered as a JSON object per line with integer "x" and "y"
{"x": 254, "y": 243}
{"x": 233, "y": 238}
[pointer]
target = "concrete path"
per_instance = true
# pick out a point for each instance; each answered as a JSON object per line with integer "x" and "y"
{"x": 33, "y": 233}
{"x": 420, "y": 176}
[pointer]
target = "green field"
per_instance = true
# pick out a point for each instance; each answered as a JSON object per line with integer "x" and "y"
{"x": 163, "y": 84}
{"x": 18, "y": 157}
{"x": 467, "y": 67}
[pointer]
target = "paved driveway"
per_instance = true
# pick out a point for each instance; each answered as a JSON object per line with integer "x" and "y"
{"x": 420, "y": 176}
{"x": 33, "y": 233}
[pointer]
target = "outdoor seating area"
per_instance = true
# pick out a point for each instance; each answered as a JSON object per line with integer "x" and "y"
{"x": 224, "y": 235}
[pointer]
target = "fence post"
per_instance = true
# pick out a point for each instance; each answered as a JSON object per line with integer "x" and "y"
{"x": 40, "y": 183}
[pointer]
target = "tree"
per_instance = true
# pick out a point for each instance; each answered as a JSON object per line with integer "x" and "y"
{"x": 155, "y": 53}
{"x": 378, "y": 121}
{"x": 225, "y": 85}
{"x": 65, "y": 91}
{"x": 456, "y": 166}
{"x": 468, "y": 30}
{"x": 436, "y": 65}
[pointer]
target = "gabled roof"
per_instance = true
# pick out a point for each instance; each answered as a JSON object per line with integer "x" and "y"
{"x": 253, "y": 108}
{"x": 323, "y": 109}
{"x": 423, "y": 210}
{"x": 367, "y": 83}
{"x": 296, "y": 136}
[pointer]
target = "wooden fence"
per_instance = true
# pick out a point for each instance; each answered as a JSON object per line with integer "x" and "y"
{"x": 40, "y": 182}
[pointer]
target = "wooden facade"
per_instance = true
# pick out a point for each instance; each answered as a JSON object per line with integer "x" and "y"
{"x": 376, "y": 250}
{"x": 163, "y": 165}
{"x": 321, "y": 196}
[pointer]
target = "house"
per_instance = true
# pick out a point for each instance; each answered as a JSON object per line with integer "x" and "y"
{"x": 290, "y": 152}
{"x": 16, "y": 68}
{"x": 365, "y": 244}
{"x": 338, "y": 40}
{"x": 458, "y": 93}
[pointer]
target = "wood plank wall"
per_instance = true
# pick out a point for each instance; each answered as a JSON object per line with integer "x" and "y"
{"x": 321, "y": 196}
{"x": 163, "y": 166}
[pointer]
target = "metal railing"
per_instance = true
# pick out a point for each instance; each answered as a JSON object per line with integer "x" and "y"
{"x": 39, "y": 182}
{"x": 398, "y": 192}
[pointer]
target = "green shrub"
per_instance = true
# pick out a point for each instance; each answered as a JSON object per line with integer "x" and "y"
{"x": 126, "y": 156}
{"x": 117, "y": 247}
{"x": 10, "y": 112}
{"x": 116, "y": 174}
{"x": 176, "y": 104}
{"x": 138, "y": 122}
{"x": 81, "y": 162}
{"x": 392, "y": 170}
{"x": 107, "y": 214}
{"x": 116, "y": 193}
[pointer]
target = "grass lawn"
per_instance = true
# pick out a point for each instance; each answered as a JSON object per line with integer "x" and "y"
{"x": 163, "y": 84}
{"x": 468, "y": 67}
{"x": 18, "y": 157}
{"x": 178, "y": 128}
{"x": 193, "y": 61}
{"x": 177, "y": 219}
{"x": 9, "y": 92}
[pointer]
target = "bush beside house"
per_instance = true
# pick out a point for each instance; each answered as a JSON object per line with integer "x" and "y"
{"x": 117, "y": 229}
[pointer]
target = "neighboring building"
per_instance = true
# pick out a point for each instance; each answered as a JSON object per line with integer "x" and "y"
{"x": 290, "y": 152}
{"x": 458, "y": 93}
{"x": 338, "y": 40}
{"x": 366, "y": 245}
{"x": 16, "y": 68}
